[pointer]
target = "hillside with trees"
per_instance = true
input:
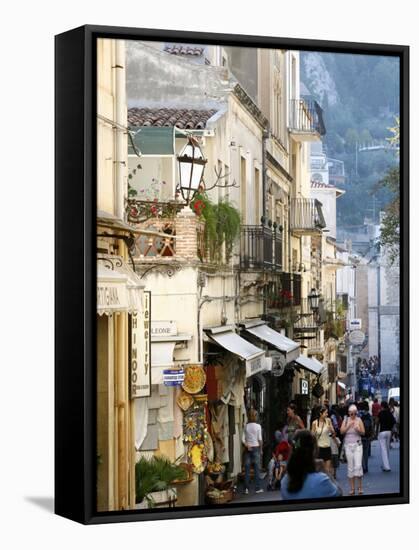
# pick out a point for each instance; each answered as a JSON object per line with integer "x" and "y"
{"x": 360, "y": 96}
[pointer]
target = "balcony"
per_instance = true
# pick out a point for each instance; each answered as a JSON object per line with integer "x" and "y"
{"x": 306, "y": 120}
{"x": 284, "y": 291}
{"x": 306, "y": 217}
{"x": 313, "y": 343}
{"x": 260, "y": 248}
{"x": 306, "y": 324}
{"x": 178, "y": 235}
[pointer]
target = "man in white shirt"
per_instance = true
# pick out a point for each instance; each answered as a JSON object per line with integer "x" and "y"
{"x": 253, "y": 444}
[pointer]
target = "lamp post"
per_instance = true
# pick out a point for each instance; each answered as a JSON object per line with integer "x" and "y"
{"x": 191, "y": 169}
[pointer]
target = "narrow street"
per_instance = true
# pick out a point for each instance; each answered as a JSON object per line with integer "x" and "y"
{"x": 375, "y": 481}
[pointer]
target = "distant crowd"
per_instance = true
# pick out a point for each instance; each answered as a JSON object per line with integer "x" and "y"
{"x": 370, "y": 379}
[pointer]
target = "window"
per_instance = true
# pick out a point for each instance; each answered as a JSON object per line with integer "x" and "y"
{"x": 243, "y": 189}
{"x": 257, "y": 213}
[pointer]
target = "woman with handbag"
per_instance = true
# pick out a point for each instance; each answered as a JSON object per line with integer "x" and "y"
{"x": 323, "y": 430}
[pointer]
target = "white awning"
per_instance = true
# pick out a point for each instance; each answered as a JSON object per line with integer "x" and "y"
{"x": 342, "y": 385}
{"x": 285, "y": 345}
{"x": 309, "y": 363}
{"x": 119, "y": 288}
{"x": 253, "y": 356}
{"x": 234, "y": 343}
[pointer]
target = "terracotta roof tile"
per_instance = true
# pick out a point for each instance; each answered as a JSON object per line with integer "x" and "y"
{"x": 191, "y": 119}
{"x": 183, "y": 49}
{"x": 321, "y": 185}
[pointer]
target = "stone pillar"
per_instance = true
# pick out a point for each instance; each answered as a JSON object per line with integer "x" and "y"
{"x": 189, "y": 229}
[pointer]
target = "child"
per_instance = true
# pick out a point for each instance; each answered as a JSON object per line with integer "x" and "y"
{"x": 278, "y": 465}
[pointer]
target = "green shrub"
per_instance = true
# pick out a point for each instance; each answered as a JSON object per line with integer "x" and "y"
{"x": 155, "y": 474}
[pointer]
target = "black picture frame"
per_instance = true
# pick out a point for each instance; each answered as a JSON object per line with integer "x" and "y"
{"x": 75, "y": 276}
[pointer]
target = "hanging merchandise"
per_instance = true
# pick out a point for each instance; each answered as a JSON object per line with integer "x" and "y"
{"x": 195, "y": 436}
{"x": 185, "y": 401}
{"x": 317, "y": 390}
{"x": 195, "y": 379}
{"x": 198, "y": 458}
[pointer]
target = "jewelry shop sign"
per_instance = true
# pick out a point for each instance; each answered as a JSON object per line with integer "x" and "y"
{"x": 140, "y": 350}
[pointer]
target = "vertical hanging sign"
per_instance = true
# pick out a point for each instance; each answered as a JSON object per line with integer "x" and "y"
{"x": 140, "y": 350}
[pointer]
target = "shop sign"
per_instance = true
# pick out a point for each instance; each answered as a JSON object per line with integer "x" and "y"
{"x": 255, "y": 365}
{"x": 355, "y": 324}
{"x": 303, "y": 386}
{"x": 173, "y": 377}
{"x": 111, "y": 297}
{"x": 278, "y": 363}
{"x": 140, "y": 350}
{"x": 163, "y": 328}
{"x": 357, "y": 337}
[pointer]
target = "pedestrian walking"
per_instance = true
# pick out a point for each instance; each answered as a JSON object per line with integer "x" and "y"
{"x": 353, "y": 429}
{"x": 376, "y": 408}
{"x": 323, "y": 430}
{"x": 366, "y": 418}
{"x": 303, "y": 478}
{"x": 253, "y": 443}
{"x": 294, "y": 422}
{"x": 396, "y": 414}
{"x": 386, "y": 423}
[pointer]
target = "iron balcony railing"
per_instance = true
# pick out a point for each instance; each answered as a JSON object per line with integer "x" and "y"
{"x": 260, "y": 248}
{"x": 284, "y": 291}
{"x": 306, "y": 116}
{"x": 306, "y": 216}
{"x": 307, "y": 321}
{"x": 313, "y": 343}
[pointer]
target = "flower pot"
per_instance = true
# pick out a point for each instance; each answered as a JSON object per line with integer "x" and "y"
{"x": 158, "y": 499}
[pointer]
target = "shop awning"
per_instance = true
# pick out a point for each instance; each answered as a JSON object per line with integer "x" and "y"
{"x": 309, "y": 363}
{"x": 232, "y": 342}
{"x": 342, "y": 385}
{"x": 153, "y": 140}
{"x": 285, "y": 345}
{"x": 119, "y": 288}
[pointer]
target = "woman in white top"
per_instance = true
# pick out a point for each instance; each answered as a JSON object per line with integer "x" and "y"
{"x": 323, "y": 429}
{"x": 253, "y": 444}
{"x": 353, "y": 429}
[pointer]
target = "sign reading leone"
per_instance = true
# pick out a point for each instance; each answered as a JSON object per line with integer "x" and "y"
{"x": 140, "y": 350}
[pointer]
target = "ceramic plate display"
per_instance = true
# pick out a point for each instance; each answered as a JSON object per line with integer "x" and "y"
{"x": 184, "y": 401}
{"x": 195, "y": 379}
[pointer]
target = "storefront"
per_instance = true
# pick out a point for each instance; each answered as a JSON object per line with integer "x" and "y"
{"x": 119, "y": 298}
{"x": 159, "y": 419}
{"x": 274, "y": 384}
{"x": 309, "y": 377}
{"x": 228, "y": 373}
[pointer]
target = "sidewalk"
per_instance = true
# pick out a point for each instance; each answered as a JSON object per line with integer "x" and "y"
{"x": 375, "y": 482}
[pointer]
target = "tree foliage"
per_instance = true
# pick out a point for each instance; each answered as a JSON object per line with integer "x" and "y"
{"x": 390, "y": 223}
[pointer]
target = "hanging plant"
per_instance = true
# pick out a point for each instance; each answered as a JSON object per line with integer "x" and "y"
{"x": 222, "y": 225}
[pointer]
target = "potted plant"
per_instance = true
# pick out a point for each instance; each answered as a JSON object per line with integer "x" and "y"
{"x": 154, "y": 480}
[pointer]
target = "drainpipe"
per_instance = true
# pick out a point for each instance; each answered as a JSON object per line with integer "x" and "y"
{"x": 120, "y": 117}
{"x": 265, "y": 137}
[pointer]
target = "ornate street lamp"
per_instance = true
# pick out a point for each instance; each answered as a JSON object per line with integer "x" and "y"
{"x": 191, "y": 169}
{"x": 313, "y": 300}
